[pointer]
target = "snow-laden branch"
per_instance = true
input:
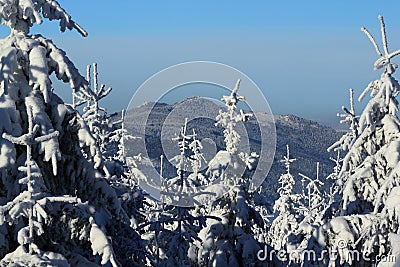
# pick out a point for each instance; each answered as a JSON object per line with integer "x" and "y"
{"x": 17, "y": 12}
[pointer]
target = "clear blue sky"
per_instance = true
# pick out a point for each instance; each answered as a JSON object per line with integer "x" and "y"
{"x": 304, "y": 55}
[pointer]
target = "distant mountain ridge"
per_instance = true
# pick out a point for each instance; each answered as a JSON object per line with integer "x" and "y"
{"x": 308, "y": 140}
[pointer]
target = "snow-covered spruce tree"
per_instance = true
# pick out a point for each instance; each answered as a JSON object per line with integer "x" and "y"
{"x": 29, "y": 204}
{"x": 333, "y": 196}
{"x": 197, "y": 161}
{"x": 370, "y": 173}
{"x": 343, "y": 145}
{"x": 286, "y": 221}
{"x": 264, "y": 207}
{"x": 118, "y": 137}
{"x": 110, "y": 134}
{"x": 310, "y": 207}
{"x": 188, "y": 165}
{"x": 231, "y": 242}
{"x": 75, "y": 210}
{"x": 94, "y": 115}
{"x": 173, "y": 238}
{"x": 121, "y": 175}
{"x": 312, "y": 198}
{"x": 350, "y": 118}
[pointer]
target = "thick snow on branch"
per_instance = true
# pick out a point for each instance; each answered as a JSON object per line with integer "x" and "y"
{"x": 39, "y": 58}
{"x": 8, "y": 65}
{"x": 229, "y": 119}
{"x": 8, "y": 123}
{"x": 101, "y": 245}
{"x": 21, "y": 257}
{"x": 17, "y": 12}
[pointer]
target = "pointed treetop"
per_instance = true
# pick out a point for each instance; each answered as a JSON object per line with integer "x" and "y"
{"x": 313, "y": 183}
{"x": 236, "y": 87}
{"x": 20, "y": 15}
{"x": 336, "y": 169}
{"x": 232, "y": 100}
{"x": 384, "y": 59}
{"x": 349, "y": 116}
{"x": 287, "y": 160}
{"x": 183, "y": 138}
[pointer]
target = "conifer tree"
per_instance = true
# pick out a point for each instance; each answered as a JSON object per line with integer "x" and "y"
{"x": 74, "y": 212}
{"x": 232, "y": 241}
{"x": 174, "y": 240}
{"x": 369, "y": 173}
{"x": 286, "y": 222}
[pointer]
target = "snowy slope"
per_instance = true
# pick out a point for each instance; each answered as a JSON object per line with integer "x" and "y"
{"x": 308, "y": 140}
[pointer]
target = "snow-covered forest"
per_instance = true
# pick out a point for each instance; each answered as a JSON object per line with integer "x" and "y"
{"x": 71, "y": 196}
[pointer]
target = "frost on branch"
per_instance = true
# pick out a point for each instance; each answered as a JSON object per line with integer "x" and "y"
{"x": 8, "y": 123}
{"x": 8, "y": 65}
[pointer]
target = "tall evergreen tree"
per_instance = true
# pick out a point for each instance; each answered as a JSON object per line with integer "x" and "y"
{"x": 232, "y": 241}
{"x": 174, "y": 240}
{"x": 286, "y": 221}
{"x": 95, "y": 116}
{"x": 70, "y": 208}
{"x": 370, "y": 173}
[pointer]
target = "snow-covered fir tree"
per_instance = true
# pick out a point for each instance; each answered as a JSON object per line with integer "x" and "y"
{"x": 110, "y": 136}
{"x": 197, "y": 161}
{"x": 71, "y": 208}
{"x": 286, "y": 221}
{"x": 171, "y": 235}
{"x": 344, "y": 143}
{"x": 368, "y": 221}
{"x": 333, "y": 196}
{"x": 231, "y": 242}
{"x": 118, "y": 137}
{"x": 310, "y": 207}
{"x": 312, "y": 198}
{"x": 334, "y": 189}
{"x": 298, "y": 214}
{"x": 350, "y": 118}
{"x": 30, "y": 203}
{"x": 188, "y": 164}
{"x": 264, "y": 207}
{"x": 109, "y": 133}
{"x": 173, "y": 238}
{"x": 95, "y": 116}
